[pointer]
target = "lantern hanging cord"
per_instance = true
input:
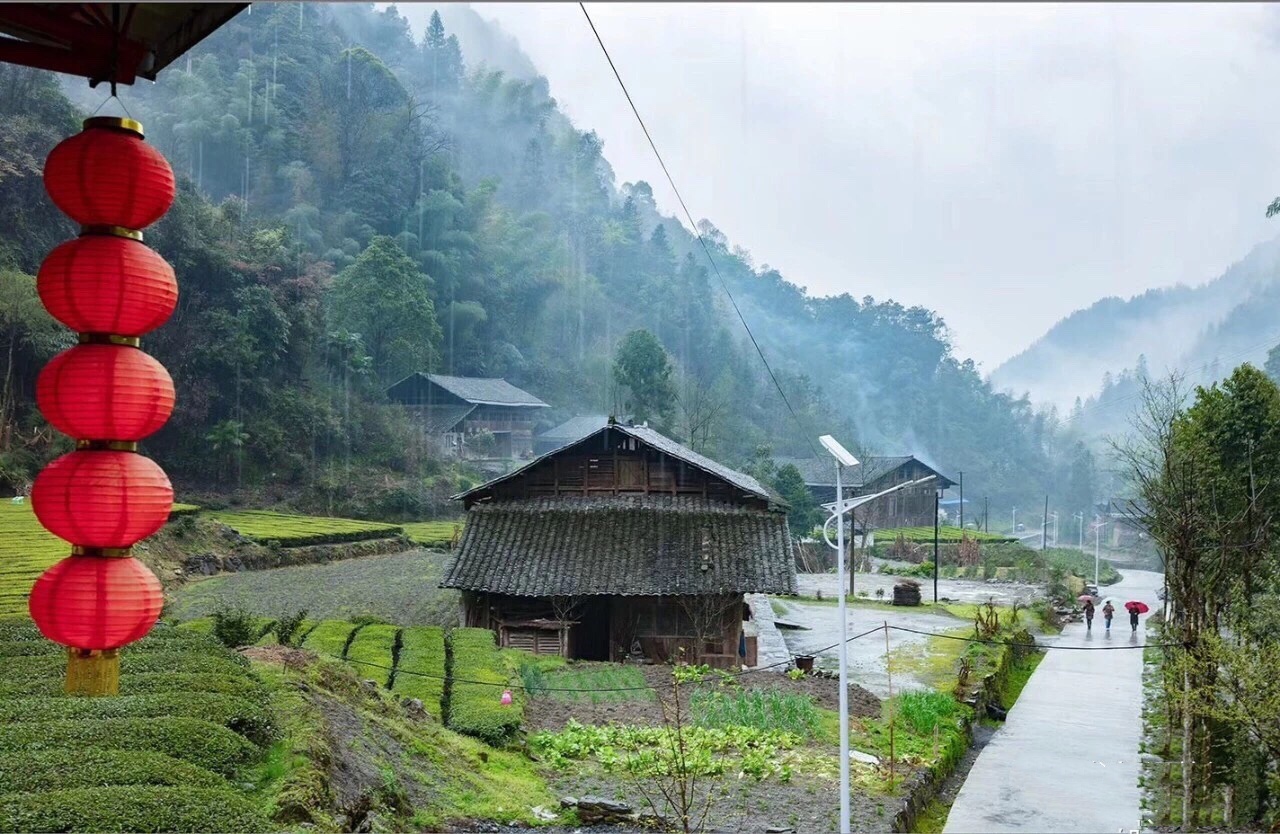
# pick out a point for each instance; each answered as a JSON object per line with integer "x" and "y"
{"x": 115, "y": 59}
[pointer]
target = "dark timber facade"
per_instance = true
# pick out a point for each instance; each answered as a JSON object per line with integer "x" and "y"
{"x": 624, "y": 544}
{"x": 910, "y": 507}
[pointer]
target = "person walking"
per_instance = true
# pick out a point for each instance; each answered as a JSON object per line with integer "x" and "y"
{"x": 1133, "y": 619}
{"x": 1088, "y": 615}
{"x": 1108, "y": 611}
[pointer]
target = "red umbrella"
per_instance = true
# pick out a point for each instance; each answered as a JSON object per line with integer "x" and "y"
{"x": 1134, "y": 605}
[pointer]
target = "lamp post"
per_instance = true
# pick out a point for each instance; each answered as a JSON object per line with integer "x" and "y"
{"x": 843, "y": 458}
{"x": 1080, "y": 518}
{"x": 962, "y": 499}
{"x": 838, "y": 510}
{"x": 1014, "y": 531}
{"x": 1055, "y": 528}
{"x": 1097, "y": 539}
{"x": 937, "y": 498}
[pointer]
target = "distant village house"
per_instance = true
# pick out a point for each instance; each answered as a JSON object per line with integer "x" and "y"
{"x": 621, "y": 545}
{"x": 910, "y": 507}
{"x": 470, "y": 417}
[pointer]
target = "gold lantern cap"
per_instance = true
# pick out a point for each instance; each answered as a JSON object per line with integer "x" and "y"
{"x": 114, "y": 123}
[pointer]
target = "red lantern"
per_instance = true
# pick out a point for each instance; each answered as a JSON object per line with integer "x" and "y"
{"x": 102, "y": 498}
{"x": 96, "y": 603}
{"x": 107, "y": 284}
{"x": 107, "y": 176}
{"x": 105, "y": 392}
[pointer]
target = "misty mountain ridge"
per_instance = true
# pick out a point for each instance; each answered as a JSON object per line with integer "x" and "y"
{"x": 1220, "y": 323}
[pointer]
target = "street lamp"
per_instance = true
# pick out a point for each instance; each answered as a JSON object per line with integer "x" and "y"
{"x": 1080, "y": 518}
{"x": 1055, "y": 528}
{"x": 843, "y": 459}
{"x": 837, "y": 509}
{"x": 1015, "y": 522}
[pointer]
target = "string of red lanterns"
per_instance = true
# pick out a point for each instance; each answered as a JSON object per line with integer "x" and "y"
{"x": 107, "y": 394}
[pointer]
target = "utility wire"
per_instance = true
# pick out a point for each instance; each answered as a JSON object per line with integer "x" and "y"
{"x": 744, "y": 673}
{"x": 698, "y": 234}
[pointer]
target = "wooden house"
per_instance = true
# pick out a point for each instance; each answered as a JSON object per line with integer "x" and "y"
{"x": 470, "y": 417}
{"x": 910, "y": 507}
{"x": 624, "y": 544}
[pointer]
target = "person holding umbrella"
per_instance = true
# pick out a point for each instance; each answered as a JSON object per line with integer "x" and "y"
{"x": 1135, "y": 608}
{"x": 1087, "y": 602}
{"x": 1108, "y": 611}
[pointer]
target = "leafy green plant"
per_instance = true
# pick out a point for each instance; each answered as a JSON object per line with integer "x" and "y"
{"x": 795, "y": 674}
{"x": 924, "y": 711}
{"x": 764, "y": 710}
{"x": 370, "y": 652}
{"x": 201, "y": 743}
{"x": 32, "y": 772}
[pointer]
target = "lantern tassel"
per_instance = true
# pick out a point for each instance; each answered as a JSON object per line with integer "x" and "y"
{"x": 93, "y": 672}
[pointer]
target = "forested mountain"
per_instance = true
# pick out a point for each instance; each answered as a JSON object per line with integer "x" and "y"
{"x": 359, "y": 199}
{"x": 1205, "y": 331}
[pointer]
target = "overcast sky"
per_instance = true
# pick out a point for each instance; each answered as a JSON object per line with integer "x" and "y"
{"x": 1002, "y": 164}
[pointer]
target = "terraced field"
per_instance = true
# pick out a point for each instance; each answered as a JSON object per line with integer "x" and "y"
{"x": 399, "y": 587}
{"x": 26, "y": 549}
{"x": 289, "y": 530}
{"x": 945, "y": 534}
{"x": 439, "y": 534}
{"x": 162, "y": 756}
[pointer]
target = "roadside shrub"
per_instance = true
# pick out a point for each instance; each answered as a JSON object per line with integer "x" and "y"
{"x": 33, "y": 772}
{"x": 130, "y": 808}
{"x": 370, "y": 652}
{"x": 234, "y": 628}
{"x": 476, "y": 708}
{"x": 421, "y": 651}
{"x": 244, "y": 717}
{"x": 199, "y": 742}
{"x": 289, "y": 627}
{"x": 923, "y": 711}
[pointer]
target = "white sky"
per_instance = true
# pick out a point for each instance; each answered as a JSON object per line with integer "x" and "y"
{"x": 1002, "y": 164}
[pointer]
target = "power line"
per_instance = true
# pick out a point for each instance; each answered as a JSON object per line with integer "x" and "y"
{"x": 698, "y": 234}
{"x": 745, "y": 672}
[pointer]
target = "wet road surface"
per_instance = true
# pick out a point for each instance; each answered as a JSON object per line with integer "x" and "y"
{"x": 1067, "y": 758}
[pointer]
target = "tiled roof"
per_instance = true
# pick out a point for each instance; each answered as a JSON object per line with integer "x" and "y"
{"x": 438, "y": 419}
{"x": 625, "y": 545}
{"x": 665, "y": 445}
{"x": 575, "y": 428}
{"x": 821, "y": 472}
{"x": 478, "y": 390}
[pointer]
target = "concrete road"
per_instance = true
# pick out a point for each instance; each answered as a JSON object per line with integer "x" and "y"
{"x": 1067, "y": 758}
{"x": 961, "y": 590}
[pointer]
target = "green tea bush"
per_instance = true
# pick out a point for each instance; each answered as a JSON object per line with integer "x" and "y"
{"x": 192, "y": 683}
{"x": 329, "y": 638}
{"x": 370, "y": 652}
{"x": 38, "y": 771}
{"x": 130, "y": 808}
{"x": 199, "y": 742}
{"x": 19, "y": 669}
{"x": 248, "y": 719}
{"x": 476, "y": 708}
{"x": 30, "y": 648}
{"x": 421, "y": 651}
